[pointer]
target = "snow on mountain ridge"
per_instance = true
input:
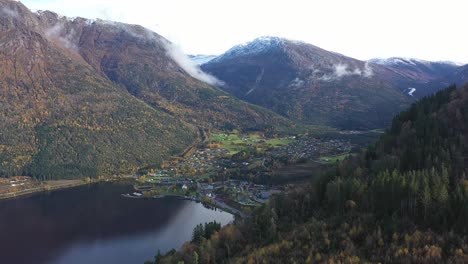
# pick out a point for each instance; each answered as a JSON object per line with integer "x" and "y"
{"x": 257, "y": 45}
{"x": 413, "y": 61}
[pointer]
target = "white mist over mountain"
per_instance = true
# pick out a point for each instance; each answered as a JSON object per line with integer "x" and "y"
{"x": 362, "y": 29}
{"x": 188, "y": 65}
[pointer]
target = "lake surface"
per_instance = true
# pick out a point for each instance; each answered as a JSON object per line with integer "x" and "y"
{"x": 95, "y": 224}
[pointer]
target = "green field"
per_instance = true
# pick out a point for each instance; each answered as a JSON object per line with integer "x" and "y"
{"x": 154, "y": 179}
{"x": 235, "y": 143}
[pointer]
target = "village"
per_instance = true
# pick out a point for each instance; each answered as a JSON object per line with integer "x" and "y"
{"x": 232, "y": 171}
{"x": 227, "y": 171}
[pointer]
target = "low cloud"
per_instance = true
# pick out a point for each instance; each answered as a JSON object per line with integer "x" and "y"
{"x": 188, "y": 65}
{"x": 9, "y": 12}
{"x": 341, "y": 70}
{"x": 296, "y": 83}
{"x": 368, "y": 72}
{"x": 57, "y": 32}
{"x": 172, "y": 50}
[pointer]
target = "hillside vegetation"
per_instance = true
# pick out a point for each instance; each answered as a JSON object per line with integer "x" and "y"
{"x": 83, "y": 98}
{"x": 60, "y": 119}
{"x": 402, "y": 200}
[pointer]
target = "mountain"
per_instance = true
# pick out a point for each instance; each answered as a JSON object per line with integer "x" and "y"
{"x": 157, "y": 72}
{"x": 417, "y": 69}
{"x": 60, "y": 118}
{"x": 402, "y": 200}
{"x": 459, "y": 77}
{"x": 88, "y": 98}
{"x": 307, "y": 83}
{"x": 416, "y": 77}
{"x": 201, "y": 59}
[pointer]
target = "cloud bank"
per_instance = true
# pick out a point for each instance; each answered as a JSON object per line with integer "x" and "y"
{"x": 66, "y": 40}
{"x": 9, "y": 12}
{"x": 341, "y": 70}
{"x": 188, "y": 65}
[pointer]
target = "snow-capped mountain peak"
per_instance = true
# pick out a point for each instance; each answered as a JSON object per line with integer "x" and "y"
{"x": 255, "y": 46}
{"x": 394, "y": 61}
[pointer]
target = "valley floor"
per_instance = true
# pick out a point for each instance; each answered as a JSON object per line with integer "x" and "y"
{"x": 238, "y": 172}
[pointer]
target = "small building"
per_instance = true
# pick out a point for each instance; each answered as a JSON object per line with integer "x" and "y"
{"x": 184, "y": 187}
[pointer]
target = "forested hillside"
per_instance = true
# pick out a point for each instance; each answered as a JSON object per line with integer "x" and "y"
{"x": 402, "y": 200}
{"x": 82, "y": 98}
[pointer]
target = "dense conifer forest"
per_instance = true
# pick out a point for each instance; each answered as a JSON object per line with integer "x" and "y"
{"x": 401, "y": 200}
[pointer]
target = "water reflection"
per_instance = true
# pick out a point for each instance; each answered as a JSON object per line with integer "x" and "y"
{"x": 94, "y": 224}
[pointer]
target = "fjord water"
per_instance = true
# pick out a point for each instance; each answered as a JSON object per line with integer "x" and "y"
{"x": 95, "y": 224}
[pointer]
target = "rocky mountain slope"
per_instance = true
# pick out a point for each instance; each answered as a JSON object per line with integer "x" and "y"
{"x": 155, "y": 71}
{"x": 307, "y": 83}
{"x": 459, "y": 77}
{"x": 87, "y": 98}
{"x": 415, "y": 77}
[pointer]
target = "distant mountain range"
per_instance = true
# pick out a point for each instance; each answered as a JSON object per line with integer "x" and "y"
{"x": 309, "y": 84}
{"x": 84, "y": 97}
{"x": 315, "y": 86}
{"x": 418, "y": 77}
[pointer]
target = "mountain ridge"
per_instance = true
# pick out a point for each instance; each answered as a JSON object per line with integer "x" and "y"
{"x": 307, "y": 83}
{"x": 87, "y": 98}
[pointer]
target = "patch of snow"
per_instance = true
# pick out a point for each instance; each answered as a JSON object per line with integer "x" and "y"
{"x": 455, "y": 63}
{"x": 412, "y": 90}
{"x": 249, "y": 92}
{"x": 397, "y": 61}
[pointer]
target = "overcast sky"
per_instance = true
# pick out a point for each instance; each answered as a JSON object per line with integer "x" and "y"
{"x": 425, "y": 29}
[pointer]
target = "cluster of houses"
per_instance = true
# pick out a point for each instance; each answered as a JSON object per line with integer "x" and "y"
{"x": 242, "y": 192}
{"x": 13, "y": 183}
{"x": 311, "y": 148}
{"x": 202, "y": 161}
{"x": 208, "y": 162}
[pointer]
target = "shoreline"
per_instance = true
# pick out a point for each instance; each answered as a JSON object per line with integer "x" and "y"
{"x": 213, "y": 203}
{"x": 42, "y": 188}
{"x": 54, "y": 185}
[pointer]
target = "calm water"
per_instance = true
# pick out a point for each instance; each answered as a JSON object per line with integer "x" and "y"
{"x": 94, "y": 224}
